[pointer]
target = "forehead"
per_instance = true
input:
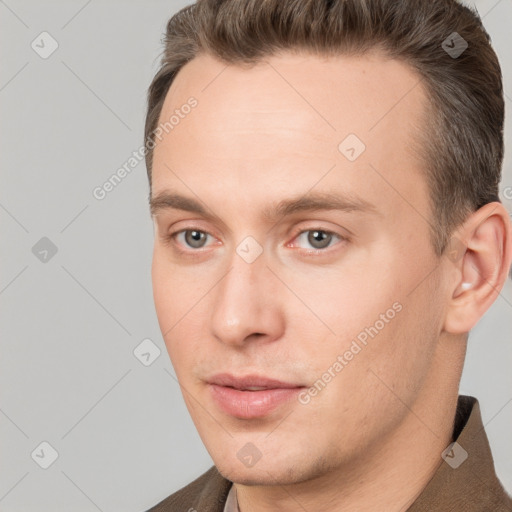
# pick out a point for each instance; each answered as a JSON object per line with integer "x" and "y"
{"x": 287, "y": 121}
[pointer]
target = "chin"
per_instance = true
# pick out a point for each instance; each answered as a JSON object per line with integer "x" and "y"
{"x": 267, "y": 474}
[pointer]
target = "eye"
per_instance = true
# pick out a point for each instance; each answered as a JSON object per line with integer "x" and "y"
{"x": 318, "y": 239}
{"x": 193, "y": 238}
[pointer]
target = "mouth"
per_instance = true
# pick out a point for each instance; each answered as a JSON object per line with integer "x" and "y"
{"x": 251, "y": 396}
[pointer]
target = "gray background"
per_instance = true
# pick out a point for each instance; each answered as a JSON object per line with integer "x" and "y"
{"x": 68, "y": 374}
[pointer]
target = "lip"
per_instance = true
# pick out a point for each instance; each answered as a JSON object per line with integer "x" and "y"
{"x": 243, "y": 382}
{"x": 232, "y": 397}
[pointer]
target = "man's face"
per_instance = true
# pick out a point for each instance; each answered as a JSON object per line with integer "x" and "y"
{"x": 245, "y": 289}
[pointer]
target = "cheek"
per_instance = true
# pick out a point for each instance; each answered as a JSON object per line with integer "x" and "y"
{"x": 395, "y": 362}
{"x": 173, "y": 289}
{"x": 367, "y": 396}
{"x": 162, "y": 291}
{"x": 177, "y": 294}
{"x": 169, "y": 297}
{"x": 378, "y": 327}
{"x": 341, "y": 300}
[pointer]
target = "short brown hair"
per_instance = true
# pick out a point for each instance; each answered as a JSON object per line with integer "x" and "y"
{"x": 462, "y": 140}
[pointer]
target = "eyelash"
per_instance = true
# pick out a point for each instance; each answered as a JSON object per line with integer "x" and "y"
{"x": 170, "y": 240}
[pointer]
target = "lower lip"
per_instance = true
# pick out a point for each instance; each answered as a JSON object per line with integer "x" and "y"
{"x": 251, "y": 404}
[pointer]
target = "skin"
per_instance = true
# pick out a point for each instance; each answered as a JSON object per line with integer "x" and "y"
{"x": 373, "y": 437}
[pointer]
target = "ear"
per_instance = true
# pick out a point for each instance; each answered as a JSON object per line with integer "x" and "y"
{"x": 481, "y": 251}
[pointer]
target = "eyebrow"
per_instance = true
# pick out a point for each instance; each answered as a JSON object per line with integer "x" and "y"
{"x": 316, "y": 201}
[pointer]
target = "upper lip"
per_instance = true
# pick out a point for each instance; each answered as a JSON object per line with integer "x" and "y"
{"x": 247, "y": 381}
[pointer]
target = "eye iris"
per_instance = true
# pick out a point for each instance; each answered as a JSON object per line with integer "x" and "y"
{"x": 319, "y": 237}
{"x": 195, "y": 238}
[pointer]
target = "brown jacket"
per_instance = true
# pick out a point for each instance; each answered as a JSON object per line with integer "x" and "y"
{"x": 470, "y": 487}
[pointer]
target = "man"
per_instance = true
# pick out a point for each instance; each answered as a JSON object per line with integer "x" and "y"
{"x": 324, "y": 186}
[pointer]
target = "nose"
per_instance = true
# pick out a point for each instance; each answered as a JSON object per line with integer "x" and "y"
{"x": 246, "y": 304}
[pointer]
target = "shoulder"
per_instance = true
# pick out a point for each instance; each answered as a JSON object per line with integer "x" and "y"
{"x": 207, "y": 493}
